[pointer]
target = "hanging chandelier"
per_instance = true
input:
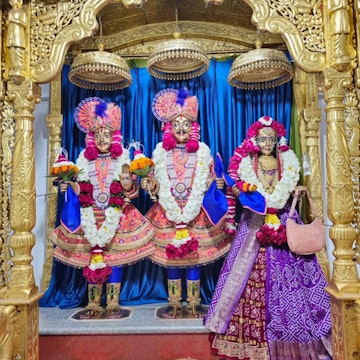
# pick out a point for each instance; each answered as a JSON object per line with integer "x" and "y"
{"x": 177, "y": 59}
{"x": 100, "y": 70}
{"x": 260, "y": 69}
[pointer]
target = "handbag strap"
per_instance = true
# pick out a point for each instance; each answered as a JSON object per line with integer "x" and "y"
{"x": 298, "y": 190}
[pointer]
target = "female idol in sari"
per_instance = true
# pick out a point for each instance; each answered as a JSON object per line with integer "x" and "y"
{"x": 269, "y": 303}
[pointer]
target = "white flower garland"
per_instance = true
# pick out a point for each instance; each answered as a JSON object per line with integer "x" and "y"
{"x": 108, "y": 228}
{"x": 166, "y": 199}
{"x": 290, "y": 177}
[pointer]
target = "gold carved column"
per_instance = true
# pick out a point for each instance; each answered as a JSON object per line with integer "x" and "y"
{"x": 352, "y": 127}
{"x": 309, "y": 114}
{"x": 344, "y": 288}
{"x": 54, "y": 123}
{"x": 21, "y": 289}
{"x": 314, "y": 181}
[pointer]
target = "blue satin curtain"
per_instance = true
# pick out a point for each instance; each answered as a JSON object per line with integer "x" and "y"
{"x": 225, "y": 113}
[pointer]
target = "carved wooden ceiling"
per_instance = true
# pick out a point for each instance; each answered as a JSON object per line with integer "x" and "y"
{"x": 222, "y": 30}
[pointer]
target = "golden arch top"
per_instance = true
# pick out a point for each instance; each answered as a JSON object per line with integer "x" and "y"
{"x": 75, "y": 22}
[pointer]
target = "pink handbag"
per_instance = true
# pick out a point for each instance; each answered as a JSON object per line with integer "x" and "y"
{"x": 305, "y": 239}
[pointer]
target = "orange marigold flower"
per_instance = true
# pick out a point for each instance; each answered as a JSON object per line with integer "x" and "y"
{"x": 141, "y": 166}
{"x": 64, "y": 169}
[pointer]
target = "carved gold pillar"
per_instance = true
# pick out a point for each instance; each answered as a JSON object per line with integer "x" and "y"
{"x": 344, "y": 288}
{"x": 7, "y": 329}
{"x": 22, "y": 290}
{"x": 352, "y": 132}
{"x": 1, "y": 56}
{"x": 312, "y": 120}
{"x": 309, "y": 115}
{"x": 7, "y": 133}
{"x": 54, "y": 123}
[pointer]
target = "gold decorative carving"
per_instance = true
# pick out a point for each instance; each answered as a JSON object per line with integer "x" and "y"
{"x": 213, "y": 48}
{"x": 344, "y": 314}
{"x": 309, "y": 115}
{"x": 75, "y": 21}
{"x": 26, "y": 327}
{"x": 312, "y": 119}
{"x": 21, "y": 289}
{"x": 22, "y": 211}
{"x": 133, "y": 3}
{"x": 2, "y": 95}
{"x": 341, "y": 51}
{"x": 339, "y": 186}
{"x": 8, "y": 319}
{"x": 357, "y": 314}
{"x": 344, "y": 287}
{"x": 292, "y": 19}
{"x": 54, "y": 123}
{"x": 17, "y": 28}
{"x": 57, "y": 24}
{"x": 151, "y": 34}
{"x": 352, "y": 131}
{"x": 7, "y": 146}
{"x": 47, "y": 21}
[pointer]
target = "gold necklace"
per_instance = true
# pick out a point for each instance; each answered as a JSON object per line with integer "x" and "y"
{"x": 267, "y": 162}
{"x": 268, "y": 173}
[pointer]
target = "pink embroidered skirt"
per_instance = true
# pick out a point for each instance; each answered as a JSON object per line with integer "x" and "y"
{"x": 213, "y": 241}
{"x": 131, "y": 243}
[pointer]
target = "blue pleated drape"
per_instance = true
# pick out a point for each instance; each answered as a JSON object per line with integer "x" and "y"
{"x": 225, "y": 113}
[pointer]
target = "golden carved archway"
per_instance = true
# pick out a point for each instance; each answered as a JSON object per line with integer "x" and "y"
{"x": 322, "y": 38}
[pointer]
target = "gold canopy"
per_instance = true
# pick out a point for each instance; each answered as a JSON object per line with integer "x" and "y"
{"x": 177, "y": 59}
{"x": 100, "y": 70}
{"x": 260, "y": 69}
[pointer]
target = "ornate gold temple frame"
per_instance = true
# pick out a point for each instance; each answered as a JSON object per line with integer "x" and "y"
{"x": 323, "y": 39}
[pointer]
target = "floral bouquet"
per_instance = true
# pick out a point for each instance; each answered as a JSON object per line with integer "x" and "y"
{"x": 141, "y": 165}
{"x": 63, "y": 169}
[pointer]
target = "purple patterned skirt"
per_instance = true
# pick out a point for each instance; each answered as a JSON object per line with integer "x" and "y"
{"x": 269, "y": 303}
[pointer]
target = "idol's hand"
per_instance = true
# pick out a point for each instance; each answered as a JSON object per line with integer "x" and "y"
{"x": 145, "y": 181}
{"x": 236, "y": 190}
{"x": 126, "y": 181}
{"x": 151, "y": 186}
{"x": 125, "y": 169}
{"x": 219, "y": 183}
{"x": 63, "y": 185}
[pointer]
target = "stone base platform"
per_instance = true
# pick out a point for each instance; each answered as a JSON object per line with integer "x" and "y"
{"x": 140, "y": 336}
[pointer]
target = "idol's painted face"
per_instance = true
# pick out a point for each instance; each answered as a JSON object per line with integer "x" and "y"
{"x": 180, "y": 128}
{"x": 266, "y": 140}
{"x": 103, "y": 139}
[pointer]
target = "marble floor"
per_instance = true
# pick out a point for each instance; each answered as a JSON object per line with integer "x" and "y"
{"x": 142, "y": 320}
